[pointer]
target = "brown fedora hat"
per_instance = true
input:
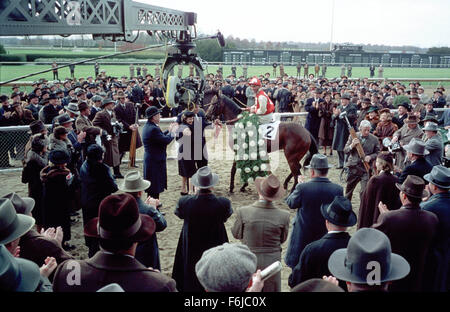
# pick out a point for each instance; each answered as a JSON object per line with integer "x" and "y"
{"x": 119, "y": 219}
{"x": 412, "y": 119}
{"x": 270, "y": 187}
{"x": 413, "y": 186}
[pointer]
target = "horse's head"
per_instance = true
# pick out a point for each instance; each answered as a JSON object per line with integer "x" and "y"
{"x": 214, "y": 108}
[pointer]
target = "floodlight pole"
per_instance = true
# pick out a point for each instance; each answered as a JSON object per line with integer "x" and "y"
{"x": 332, "y": 25}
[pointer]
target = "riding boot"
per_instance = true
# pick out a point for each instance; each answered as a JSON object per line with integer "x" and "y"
{"x": 117, "y": 174}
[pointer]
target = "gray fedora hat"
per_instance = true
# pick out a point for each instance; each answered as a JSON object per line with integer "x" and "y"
{"x": 133, "y": 182}
{"x": 365, "y": 246}
{"x": 12, "y": 225}
{"x": 204, "y": 178}
{"x": 417, "y": 147}
{"x": 23, "y": 205}
{"x": 439, "y": 176}
{"x": 73, "y": 108}
{"x": 17, "y": 274}
{"x": 319, "y": 161}
{"x": 431, "y": 126}
{"x": 339, "y": 212}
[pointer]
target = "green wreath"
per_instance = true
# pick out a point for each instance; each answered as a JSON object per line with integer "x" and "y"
{"x": 250, "y": 151}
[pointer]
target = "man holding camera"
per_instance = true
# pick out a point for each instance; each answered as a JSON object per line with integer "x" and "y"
{"x": 106, "y": 120}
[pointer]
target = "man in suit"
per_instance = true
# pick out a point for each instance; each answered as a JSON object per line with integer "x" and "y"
{"x": 284, "y": 98}
{"x": 416, "y": 153}
{"x": 313, "y": 261}
{"x": 433, "y": 144}
{"x": 341, "y": 131}
{"x": 95, "y": 107}
{"x": 126, "y": 114}
{"x": 404, "y": 135}
{"x": 119, "y": 228}
{"x": 105, "y": 120}
{"x": 410, "y": 230}
{"x": 51, "y": 110}
{"x": 437, "y": 274}
{"x": 309, "y": 224}
{"x": 228, "y": 89}
{"x": 155, "y": 143}
{"x": 312, "y": 119}
{"x": 204, "y": 215}
{"x": 264, "y": 227}
{"x": 33, "y": 105}
{"x": 417, "y": 108}
{"x": 83, "y": 124}
{"x": 241, "y": 91}
{"x": 356, "y": 169}
{"x": 401, "y": 114}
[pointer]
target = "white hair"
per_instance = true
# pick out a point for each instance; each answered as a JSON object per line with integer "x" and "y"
{"x": 365, "y": 123}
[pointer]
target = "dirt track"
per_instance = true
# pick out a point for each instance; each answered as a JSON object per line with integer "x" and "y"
{"x": 168, "y": 239}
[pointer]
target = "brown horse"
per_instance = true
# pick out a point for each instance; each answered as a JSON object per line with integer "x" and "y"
{"x": 293, "y": 138}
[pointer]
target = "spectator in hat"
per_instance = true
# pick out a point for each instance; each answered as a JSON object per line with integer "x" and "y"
{"x": 417, "y": 108}
{"x": 51, "y": 110}
{"x": 380, "y": 188}
{"x": 326, "y": 128}
{"x": 105, "y": 120}
{"x": 36, "y": 159}
{"x": 147, "y": 252}
{"x": 204, "y": 215}
{"x": 368, "y": 264}
{"x": 309, "y": 224}
{"x": 240, "y": 92}
{"x": 437, "y": 274}
{"x": 357, "y": 172}
{"x": 404, "y": 135}
{"x": 96, "y": 102}
{"x": 313, "y": 262}
{"x": 365, "y": 106}
{"x": 402, "y": 114}
{"x": 84, "y": 124}
{"x": 41, "y": 246}
{"x": 58, "y": 194}
{"x": 410, "y": 230}
{"x": 312, "y": 119}
{"x": 229, "y": 268}
{"x": 119, "y": 228}
{"x": 439, "y": 100}
{"x": 373, "y": 117}
{"x": 155, "y": 143}
{"x": 429, "y": 109}
{"x": 385, "y": 128}
{"x": 424, "y": 98}
{"x": 264, "y": 227}
{"x": 433, "y": 144}
{"x": 34, "y": 105}
{"x": 416, "y": 152}
{"x": 341, "y": 132}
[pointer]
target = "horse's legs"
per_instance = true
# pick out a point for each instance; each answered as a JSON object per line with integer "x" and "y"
{"x": 295, "y": 166}
{"x": 286, "y": 182}
{"x": 233, "y": 173}
{"x": 243, "y": 187}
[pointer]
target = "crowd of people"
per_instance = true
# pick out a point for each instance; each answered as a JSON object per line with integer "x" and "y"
{"x": 399, "y": 159}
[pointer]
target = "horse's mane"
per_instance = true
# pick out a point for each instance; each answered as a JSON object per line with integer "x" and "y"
{"x": 235, "y": 109}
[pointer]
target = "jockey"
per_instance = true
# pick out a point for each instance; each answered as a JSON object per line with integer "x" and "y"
{"x": 264, "y": 106}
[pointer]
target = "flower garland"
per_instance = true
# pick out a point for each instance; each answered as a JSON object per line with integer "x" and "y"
{"x": 250, "y": 152}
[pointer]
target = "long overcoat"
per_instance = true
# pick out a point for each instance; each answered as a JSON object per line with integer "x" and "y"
{"x": 112, "y": 155}
{"x": 341, "y": 132}
{"x": 127, "y": 116}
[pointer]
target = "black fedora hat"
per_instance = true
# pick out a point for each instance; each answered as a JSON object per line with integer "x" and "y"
{"x": 413, "y": 186}
{"x": 439, "y": 176}
{"x": 319, "y": 161}
{"x": 204, "y": 178}
{"x": 152, "y": 111}
{"x": 59, "y": 157}
{"x": 339, "y": 212}
{"x": 62, "y": 119}
{"x": 367, "y": 246}
{"x": 36, "y": 127}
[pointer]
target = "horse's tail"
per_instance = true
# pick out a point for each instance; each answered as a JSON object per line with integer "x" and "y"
{"x": 313, "y": 149}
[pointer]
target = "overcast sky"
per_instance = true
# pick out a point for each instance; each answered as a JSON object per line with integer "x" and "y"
{"x": 390, "y": 22}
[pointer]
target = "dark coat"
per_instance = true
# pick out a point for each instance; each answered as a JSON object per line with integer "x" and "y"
{"x": 127, "y": 116}
{"x": 341, "y": 132}
{"x": 240, "y": 94}
{"x": 309, "y": 224}
{"x": 204, "y": 216}
{"x": 50, "y": 112}
{"x": 437, "y": 272}
{"x": 326, "y": 128}
{"x": 313, "y": 261}
{"x": 284, "y": 98}
{"x": 155, "y": 144}
{"x": 34, "y": 110}
{"x": 228, "y": 91}
{"x": 411, "y": 232}
{"x": 312, "y": 119}
{"x": 58, "y": 195}
{"x": 379, "y": 188}
{"x": 147, "y": 252}
{"x": 103, "y": 269}
{"x": 418, "y": 168}
{"x": 94, "y": 111}
{"x": 97, "y": 182}
{"x": 112, "y": 155}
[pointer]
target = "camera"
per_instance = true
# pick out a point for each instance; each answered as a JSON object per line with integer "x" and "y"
{"x": 117, "y": 127}
{"x": 392, "y": 147}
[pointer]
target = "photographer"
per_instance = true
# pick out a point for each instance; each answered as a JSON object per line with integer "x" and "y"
{"x": 106, "y": 120}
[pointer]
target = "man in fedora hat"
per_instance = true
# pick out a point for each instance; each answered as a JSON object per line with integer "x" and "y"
{"x": 410, "y": 230}
{"x": 402, "y": 114}
{"x": 404, "y": 135}
{"x": 417, "y": 108}
{"x": 97, "y": 183}
{"x": 204, "y": 215}
{"x": 51, "y": 110}
{"x": 119, "y": 228}
{"x": 106, "y": 119}
{"x": 34, "y": 105}
{"x": 147, "y": 252}
{"x": 368, "y": 264}
{"x": 309, "y": 224}
{"x": 437, "y": 274}
{"x": 96, "y": 101}
{"x": 313, "y": 261}
{"x": 416, "y": 152}
{"x": 433, "y": 144}
{"x": 264, "y": 227}
{"x": 84, "y": 124}
{"x": 155, "y": 143}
